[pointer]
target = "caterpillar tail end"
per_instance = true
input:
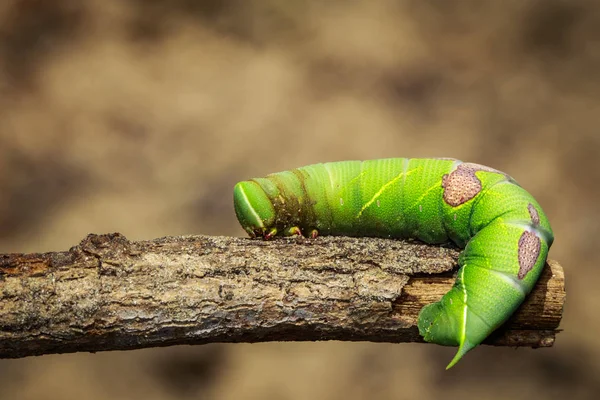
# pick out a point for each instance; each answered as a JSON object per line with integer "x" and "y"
{"x": 438, "y": 325}
{"x": 462, "y": 350}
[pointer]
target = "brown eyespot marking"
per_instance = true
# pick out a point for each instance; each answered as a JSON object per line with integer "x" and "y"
{"x": 529, "y": 250}
{"x": 461, "y": 185}
{"x": 535, "y": 217}
{"x": 529, "y": 245}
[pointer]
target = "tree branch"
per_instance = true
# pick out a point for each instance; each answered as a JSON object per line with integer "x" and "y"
{"x": 111, "y": 294}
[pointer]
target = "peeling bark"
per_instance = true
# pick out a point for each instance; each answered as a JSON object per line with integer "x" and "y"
{"x": 108, "y": 293}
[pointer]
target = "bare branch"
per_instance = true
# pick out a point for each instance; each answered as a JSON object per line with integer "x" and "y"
{"x": 111, "y": 294}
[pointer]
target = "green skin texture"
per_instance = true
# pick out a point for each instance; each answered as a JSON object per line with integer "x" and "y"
{"x": 503, "y": 230}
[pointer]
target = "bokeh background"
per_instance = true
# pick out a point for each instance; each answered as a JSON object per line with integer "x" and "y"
{"x": 138, "y": 116}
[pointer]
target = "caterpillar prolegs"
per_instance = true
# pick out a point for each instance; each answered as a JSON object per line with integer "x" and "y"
{"x": 503, "y": 230}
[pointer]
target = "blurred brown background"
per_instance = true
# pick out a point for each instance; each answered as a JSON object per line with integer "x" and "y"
{"x": 139, "y": 116}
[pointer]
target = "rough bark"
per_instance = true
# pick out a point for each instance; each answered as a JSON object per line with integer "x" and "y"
{"x": 108, "y": 293}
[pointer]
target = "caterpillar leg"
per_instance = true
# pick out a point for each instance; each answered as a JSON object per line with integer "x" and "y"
{"x": 293, "y": 231}
{"x": 296, "y": 231}
{"x": 269, "y": 235}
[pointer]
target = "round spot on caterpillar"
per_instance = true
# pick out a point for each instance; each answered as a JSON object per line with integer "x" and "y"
{"x": 461, "y": 185}
{"x": 529, "y": 250}
{"x": 535, "y": 217}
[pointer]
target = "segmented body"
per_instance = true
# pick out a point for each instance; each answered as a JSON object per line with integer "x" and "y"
{"x": 503, "y": 230}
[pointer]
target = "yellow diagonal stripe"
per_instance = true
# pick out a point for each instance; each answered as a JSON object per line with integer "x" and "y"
{"x": 383, "y": 188}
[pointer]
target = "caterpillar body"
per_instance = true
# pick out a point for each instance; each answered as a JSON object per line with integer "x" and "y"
{"x": 501, "y": 227}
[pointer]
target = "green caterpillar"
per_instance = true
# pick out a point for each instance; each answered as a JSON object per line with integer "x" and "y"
{"x": 503, "y": 230}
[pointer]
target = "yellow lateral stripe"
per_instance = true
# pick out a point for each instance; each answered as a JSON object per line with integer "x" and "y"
{"x": 383, "y": 188}
{"x": 359, "y": 176}
{"x": 416, "y": 203}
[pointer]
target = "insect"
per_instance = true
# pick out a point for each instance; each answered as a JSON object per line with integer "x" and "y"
{"x": 504, "y": 234}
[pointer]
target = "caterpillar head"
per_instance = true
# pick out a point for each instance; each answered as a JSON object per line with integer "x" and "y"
{"x": 254, "y": 210}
